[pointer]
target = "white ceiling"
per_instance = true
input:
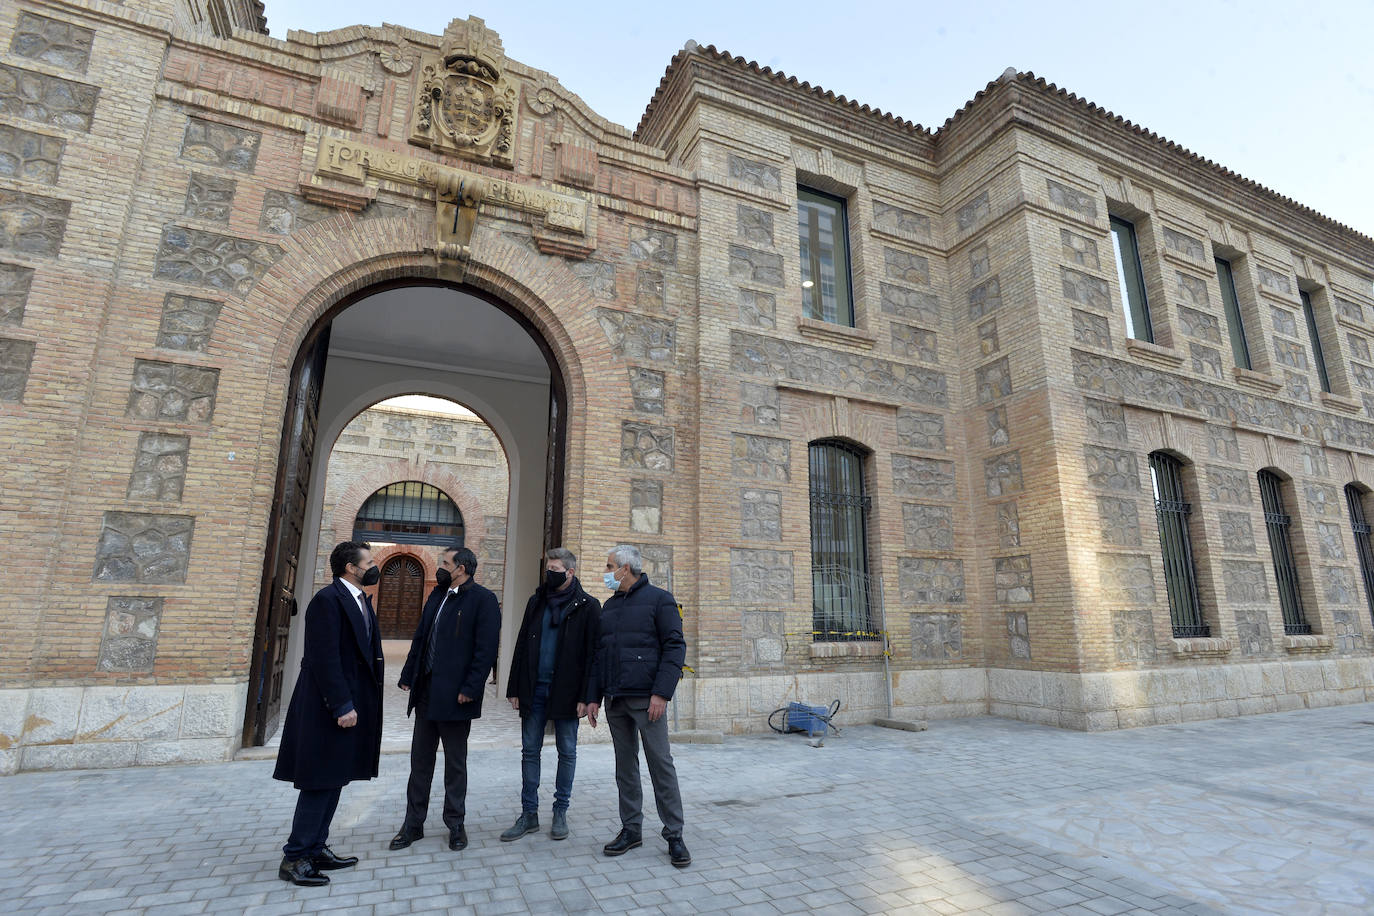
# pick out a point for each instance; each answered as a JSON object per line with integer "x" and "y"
{"x": 437, "y": 327}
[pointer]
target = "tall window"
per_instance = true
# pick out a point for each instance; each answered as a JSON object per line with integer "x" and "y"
{"x": 1132, "y": 279}
{"x": 1354, "y": 497}
{"x": 1180, "y": 577}
{"x": 410, "y": 512}
{"x": 839, "y": 543}
{"x": 1278, "y": 524}
{"x": 1239, "y": 348}
{"x": 824, "y": 235}
{"x": 1317, "y": 356}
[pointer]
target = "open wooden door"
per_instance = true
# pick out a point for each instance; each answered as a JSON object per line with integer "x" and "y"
{"x": 277, "y": 600}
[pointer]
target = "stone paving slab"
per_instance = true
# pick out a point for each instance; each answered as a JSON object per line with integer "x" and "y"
{"x": 1264, "y": 814}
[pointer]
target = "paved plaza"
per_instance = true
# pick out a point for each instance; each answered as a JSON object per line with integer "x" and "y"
{"x": 1271, "y": 814}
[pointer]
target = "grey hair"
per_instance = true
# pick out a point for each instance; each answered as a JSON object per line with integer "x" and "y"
{"x": 564, "y": 556}
{"x": 628, "y": 555}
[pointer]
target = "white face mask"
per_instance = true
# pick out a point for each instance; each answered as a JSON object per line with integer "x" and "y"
{"x": 609, "y": 579}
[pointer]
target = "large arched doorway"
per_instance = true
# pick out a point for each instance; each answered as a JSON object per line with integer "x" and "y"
{"x": 413, "y": 337}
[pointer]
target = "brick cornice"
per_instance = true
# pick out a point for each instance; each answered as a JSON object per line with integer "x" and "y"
{"x": 1069, "y": 120}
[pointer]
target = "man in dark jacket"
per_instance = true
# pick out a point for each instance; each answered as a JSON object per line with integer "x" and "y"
{"x": 639, "y": 659}
{"x": 333, "y": 730}
{"x": 450, "y": 656}
{"x": 549, "y": 680}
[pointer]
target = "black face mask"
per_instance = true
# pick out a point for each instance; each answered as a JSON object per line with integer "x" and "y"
{"x": 442, "y": 577}
{"x": 555, "y": 580}
{"x": 372, "y": 577}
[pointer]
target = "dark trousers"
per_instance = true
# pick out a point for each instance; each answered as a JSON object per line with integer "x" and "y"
{"x": 628, "y": 719}
{"x": 424, "y": 746}
{"x": 310, "y": 826}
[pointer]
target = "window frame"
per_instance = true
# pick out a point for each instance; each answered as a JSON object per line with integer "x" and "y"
{"x": 1314, "y": 338}
{"x": 1364, "y": 543}
{"x": 1235, "y": 322}
{"x": 1279, "y": 526}
{"x": 1136, "y": 313}
{"x": 1172, "y": 513}
{"x": 410, "y": 512}
{"x": 813, "y": 297}
{"x": 850, "y": 462}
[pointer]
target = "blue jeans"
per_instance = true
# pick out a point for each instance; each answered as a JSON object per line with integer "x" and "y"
{"x": 532, "y": 743}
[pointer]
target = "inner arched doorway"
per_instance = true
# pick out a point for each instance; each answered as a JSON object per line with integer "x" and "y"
{"x": 411, "y": 337}
{"x": 400, "y": 596}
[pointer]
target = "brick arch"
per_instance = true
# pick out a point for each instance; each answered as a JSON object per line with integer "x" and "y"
{"x": 397, "y": 470}
{"x": 331, "y": 260}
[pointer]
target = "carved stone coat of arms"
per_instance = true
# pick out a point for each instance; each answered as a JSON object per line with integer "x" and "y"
{"x": 465, "y": 106}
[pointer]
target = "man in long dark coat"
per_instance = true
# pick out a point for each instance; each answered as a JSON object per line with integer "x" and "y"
{"x": 333, "y": 731}
{"x": 446, "y": 671}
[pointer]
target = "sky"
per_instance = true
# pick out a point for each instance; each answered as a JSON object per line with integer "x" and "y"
{"x": 1281, "y": 93}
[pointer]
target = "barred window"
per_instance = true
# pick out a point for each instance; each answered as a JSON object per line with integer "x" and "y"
{"x": 840, "y": 505}
{"x": 1354, "y": 497}
{"x": 1279, "y": 526}
{"x": 410, "y": 512}
{"x": 1176, "y": 546}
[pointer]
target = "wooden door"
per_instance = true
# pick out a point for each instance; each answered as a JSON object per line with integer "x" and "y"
{"x": 400, "y": 597}
{"x": 277, "y": 601}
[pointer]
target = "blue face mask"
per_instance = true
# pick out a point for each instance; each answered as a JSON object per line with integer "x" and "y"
{"x": 609, "y": 579}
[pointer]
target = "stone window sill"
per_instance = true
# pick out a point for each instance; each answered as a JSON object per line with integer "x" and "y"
{"x": 1352, "y": 324}
{"x": 1202, "y": 646}
{"x": 834, "y": 333}
{"x": 868, "y": 648}
{"x": 1344, "y": 405}
{"x": 1312, "y": 642}
{"x": 1167, "y": 357}
{"x": 1258, "y": 381}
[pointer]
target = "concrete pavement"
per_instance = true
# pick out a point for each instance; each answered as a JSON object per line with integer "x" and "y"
{"x": 1269, "y": 814}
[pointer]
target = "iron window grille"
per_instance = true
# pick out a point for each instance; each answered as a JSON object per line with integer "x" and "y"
{"x": 1278, "y": 524}
{"x": 841, "y": 590}
{"x": 1363, "y": 546}
{"x": 410, "y": 512}
{"x": 1176, "y": 547}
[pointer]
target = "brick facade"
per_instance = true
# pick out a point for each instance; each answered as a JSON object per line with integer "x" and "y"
{"x": 147, "y": 335}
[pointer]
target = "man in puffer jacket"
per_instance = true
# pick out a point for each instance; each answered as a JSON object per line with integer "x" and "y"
{"x": 639, "y": 657}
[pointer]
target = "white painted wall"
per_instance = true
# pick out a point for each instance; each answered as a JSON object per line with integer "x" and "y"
{"x": 516, "y": 411}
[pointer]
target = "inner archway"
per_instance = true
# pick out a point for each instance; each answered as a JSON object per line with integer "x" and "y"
{"x": 400, "y": 596}
{"x": 441, "y": 341}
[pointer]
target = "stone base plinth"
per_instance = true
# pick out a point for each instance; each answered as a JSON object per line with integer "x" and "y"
{"x": 67, "y": 728}
{"x": 1102, "y": 701}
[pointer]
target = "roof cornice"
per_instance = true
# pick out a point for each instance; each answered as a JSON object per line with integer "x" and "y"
{"x": 1115, "y": 132}
{"x": 652, "y": 127}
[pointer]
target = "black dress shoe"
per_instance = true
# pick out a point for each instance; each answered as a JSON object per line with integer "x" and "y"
{"x": 677, "y": 852}
{"x": 301, "y": 872}
{"x": 458, "y": 839}
{"x": 623, "y": 843}
{"x": 406, "y": 837}
{"x": 326, "y": 860}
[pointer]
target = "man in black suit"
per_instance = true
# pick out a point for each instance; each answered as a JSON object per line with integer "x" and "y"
{"x": 450, "y": 657}
{"x": 333, "y": 731}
